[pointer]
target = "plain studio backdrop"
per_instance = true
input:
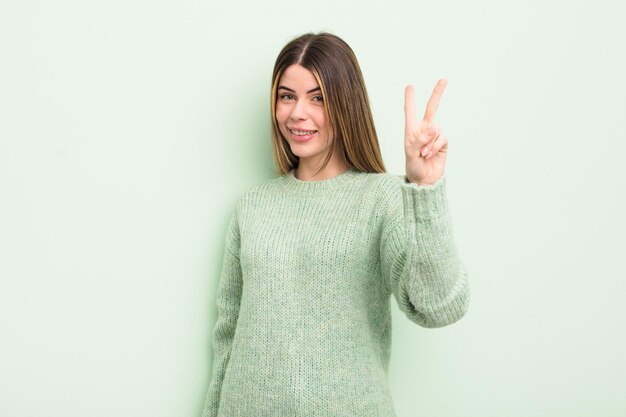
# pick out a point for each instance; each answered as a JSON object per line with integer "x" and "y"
{"x": 129, "y": 128}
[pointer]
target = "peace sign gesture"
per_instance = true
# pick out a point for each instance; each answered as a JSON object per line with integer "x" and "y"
{"x": 424, "y": 146}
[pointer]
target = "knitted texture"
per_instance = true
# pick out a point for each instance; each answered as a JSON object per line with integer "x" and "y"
{"x": 304, "y": 319}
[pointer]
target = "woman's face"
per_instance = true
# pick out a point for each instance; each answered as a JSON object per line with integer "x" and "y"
{"x": 300, "y": 114}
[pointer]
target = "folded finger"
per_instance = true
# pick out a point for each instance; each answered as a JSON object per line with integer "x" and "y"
{"x": 440, "y": 143}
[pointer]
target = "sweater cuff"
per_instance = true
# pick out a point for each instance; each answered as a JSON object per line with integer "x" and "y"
{"x": 428, "y": 220}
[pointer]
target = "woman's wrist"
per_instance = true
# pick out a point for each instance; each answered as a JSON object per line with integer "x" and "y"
{"x": 408, "y": 180}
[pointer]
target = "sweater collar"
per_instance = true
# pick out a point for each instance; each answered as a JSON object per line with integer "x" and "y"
{"x": 297, "y": 185}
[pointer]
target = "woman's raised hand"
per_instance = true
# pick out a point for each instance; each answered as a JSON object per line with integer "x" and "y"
{"x": 425, "y": 147}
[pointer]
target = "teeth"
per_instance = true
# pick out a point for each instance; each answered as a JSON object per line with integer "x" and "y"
{"x": 304, "y": 132}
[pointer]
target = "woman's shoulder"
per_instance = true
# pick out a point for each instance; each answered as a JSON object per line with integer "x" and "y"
{"x": 386, "y": 179}
{"x": 260, "y": 189}
{"x": 390, "y": 187}
{"x": 385, "y": 184}
{"x": 263, "y": 186}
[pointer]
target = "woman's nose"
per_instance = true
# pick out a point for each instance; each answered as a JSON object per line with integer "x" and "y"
{"x": 297, "y": 113}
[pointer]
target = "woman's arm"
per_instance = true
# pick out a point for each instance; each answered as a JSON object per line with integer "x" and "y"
{"x": 228, "y": 301}
{"x": 419, "y": 258}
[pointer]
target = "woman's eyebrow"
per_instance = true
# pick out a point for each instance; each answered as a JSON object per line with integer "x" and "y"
{"x": 293, "y": 91}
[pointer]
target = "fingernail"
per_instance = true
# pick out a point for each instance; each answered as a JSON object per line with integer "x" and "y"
{"x": 425, "y": 151}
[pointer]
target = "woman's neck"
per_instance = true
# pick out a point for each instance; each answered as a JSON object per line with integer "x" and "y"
{"x": 308, "y": 173}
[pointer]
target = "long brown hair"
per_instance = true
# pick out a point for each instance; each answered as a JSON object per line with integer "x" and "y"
{"x": 346, "y": 103}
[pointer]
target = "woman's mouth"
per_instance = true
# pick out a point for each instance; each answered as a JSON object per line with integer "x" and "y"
{"x": 302, "y": 135}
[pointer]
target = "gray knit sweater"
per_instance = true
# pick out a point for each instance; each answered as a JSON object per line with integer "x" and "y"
{"x": 304, "y": 320}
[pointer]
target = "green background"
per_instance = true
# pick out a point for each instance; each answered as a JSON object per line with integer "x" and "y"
{"x": 129, "y": 128}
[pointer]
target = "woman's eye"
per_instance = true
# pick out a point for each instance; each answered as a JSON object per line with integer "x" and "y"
{"x": 285, "y": 96}
{"x": 318, "y": 98}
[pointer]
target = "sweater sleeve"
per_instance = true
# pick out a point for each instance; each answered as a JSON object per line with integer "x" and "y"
{"x": 228, "y": 300}
{"x": 419, "y": 258}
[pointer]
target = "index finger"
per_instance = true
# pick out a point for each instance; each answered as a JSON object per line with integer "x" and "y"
{"x": 410, "y": 115}
{"x": 433, "y": 102}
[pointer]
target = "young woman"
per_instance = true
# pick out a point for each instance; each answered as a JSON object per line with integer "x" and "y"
{"x": 313, "y": 256}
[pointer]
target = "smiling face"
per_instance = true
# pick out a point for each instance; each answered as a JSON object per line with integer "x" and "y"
{"x": 301, "y": 116}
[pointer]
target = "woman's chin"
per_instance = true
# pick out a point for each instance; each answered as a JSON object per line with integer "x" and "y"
{"x": 301, "y": 153}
